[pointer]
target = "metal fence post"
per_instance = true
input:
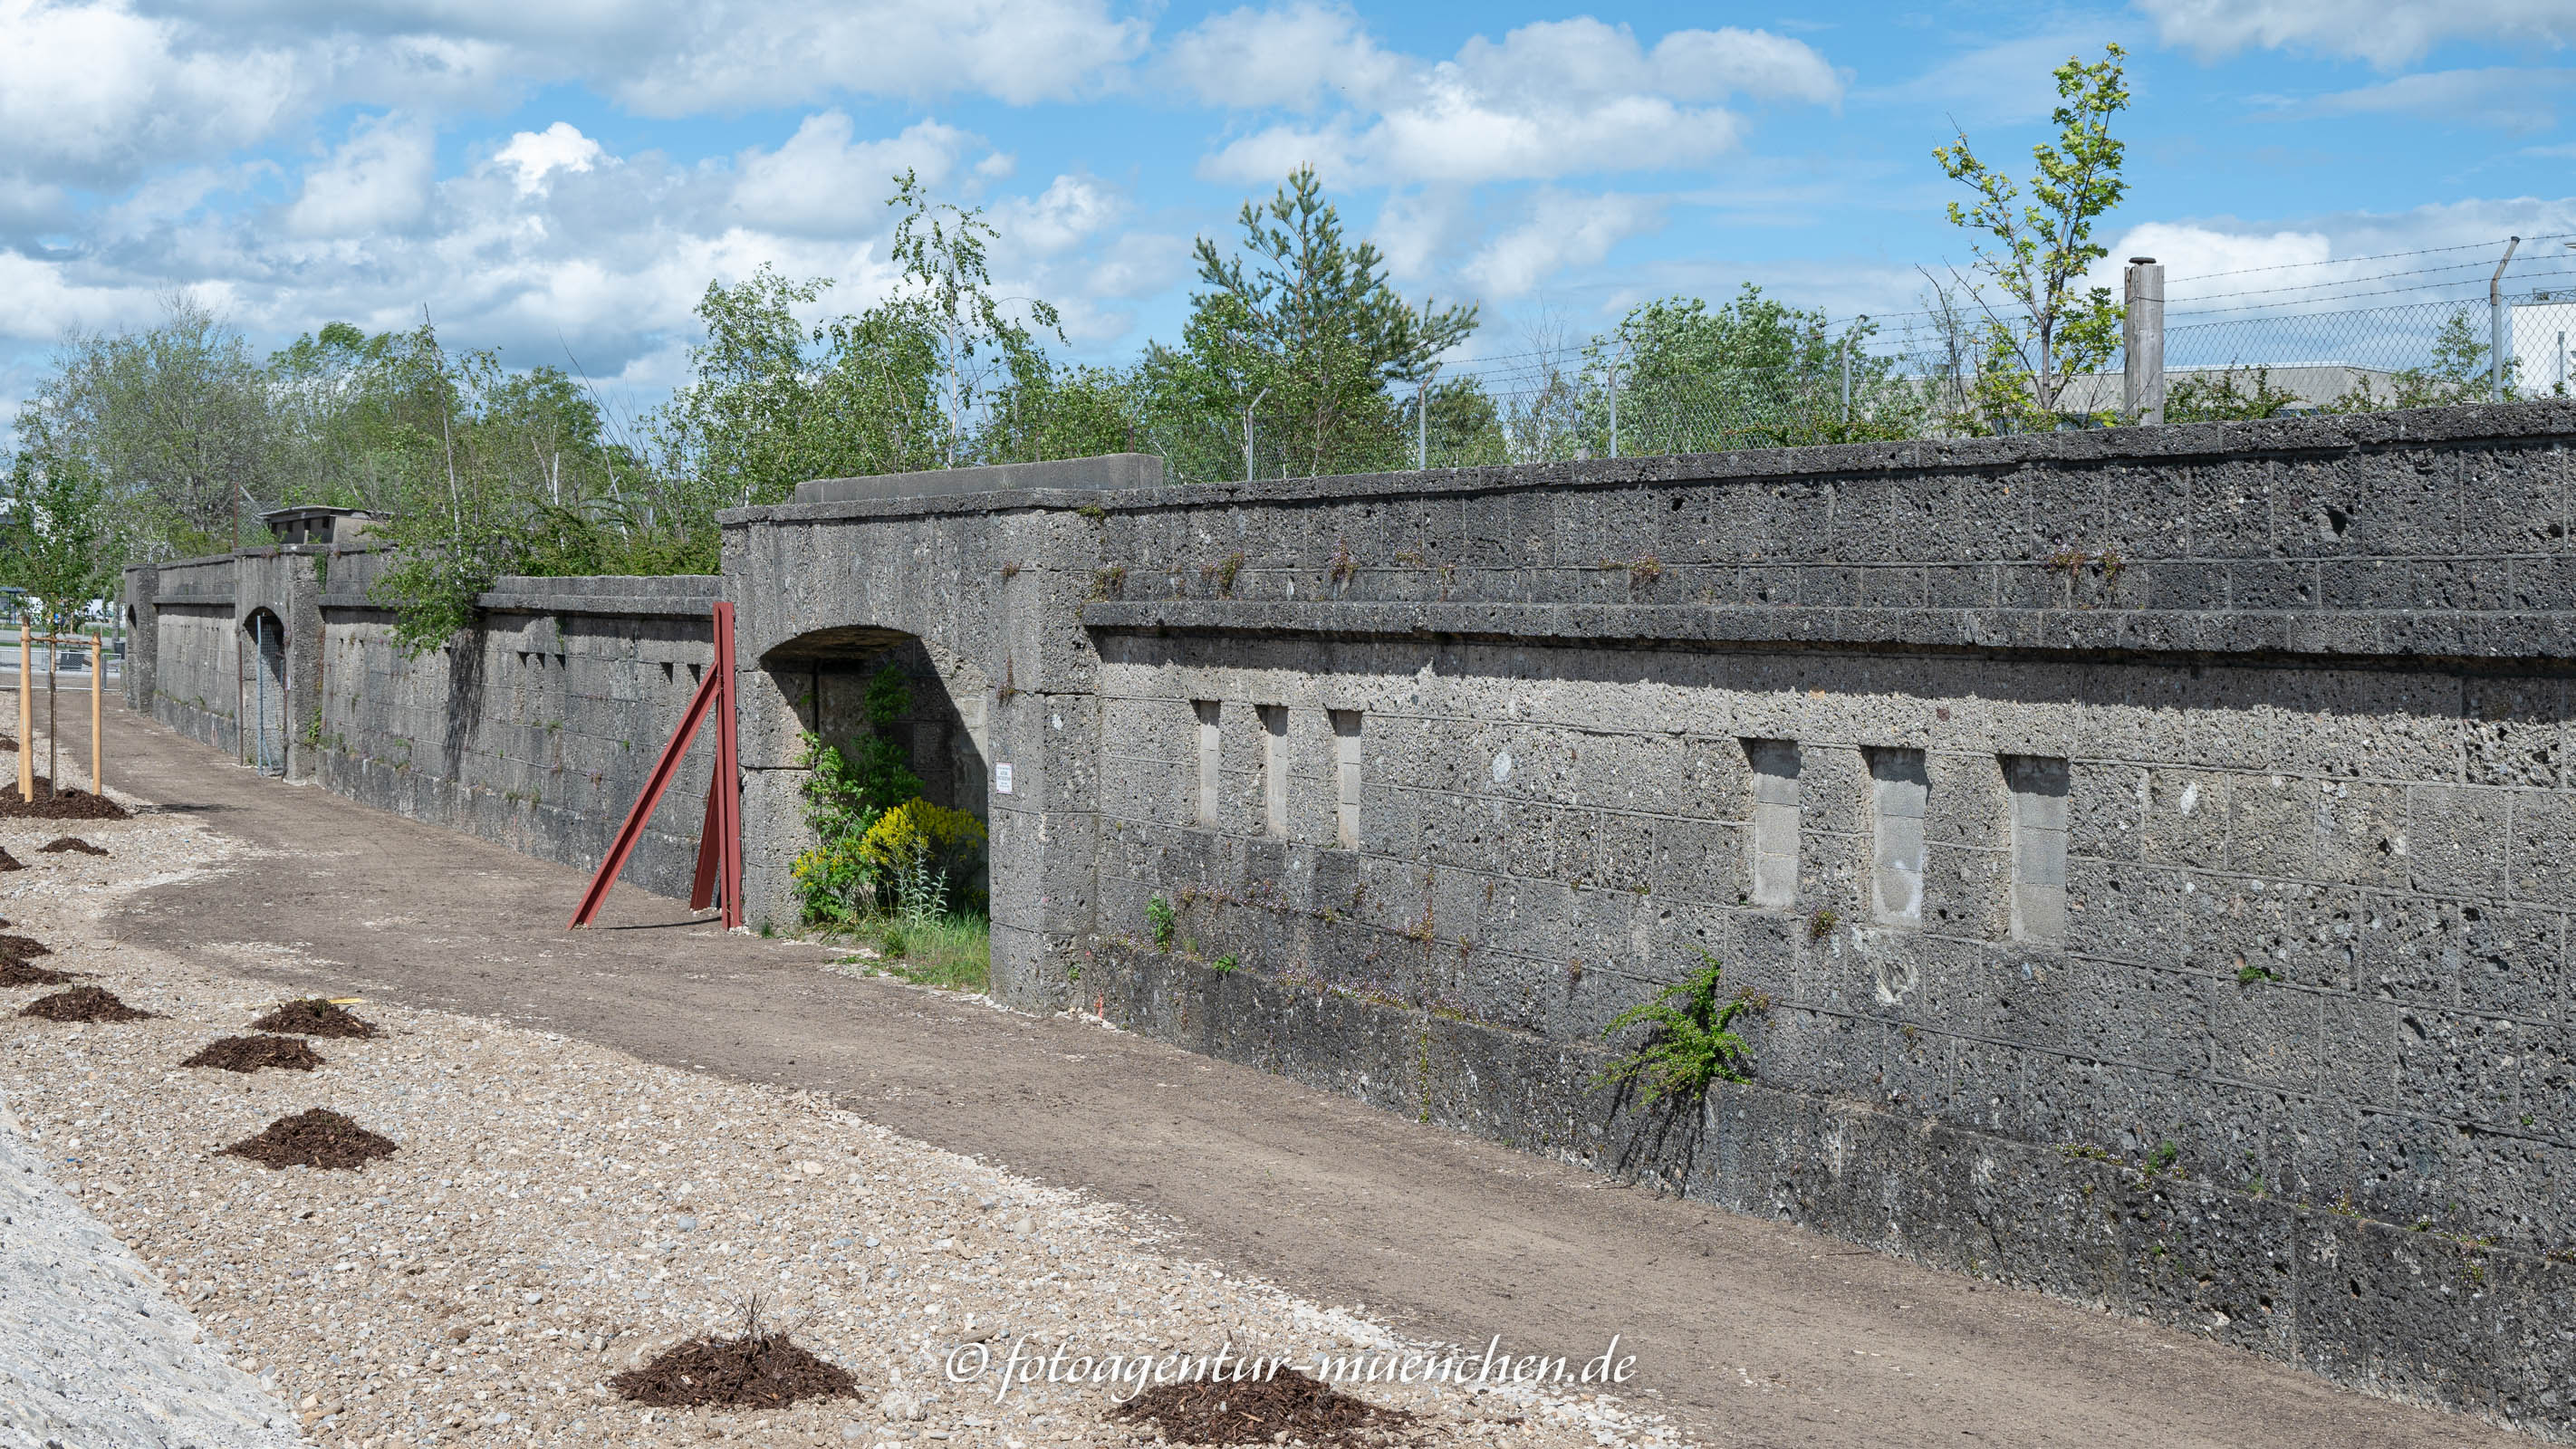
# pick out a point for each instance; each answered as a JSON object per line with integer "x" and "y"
{"x": 1614, "y": 410}
{"x": 1422, "y": 420}
{"x": 2496, "y": 328}
{"x": 2142, "y": 342}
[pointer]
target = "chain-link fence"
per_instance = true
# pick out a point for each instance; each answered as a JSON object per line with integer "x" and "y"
{"x": 1921, "y": 375}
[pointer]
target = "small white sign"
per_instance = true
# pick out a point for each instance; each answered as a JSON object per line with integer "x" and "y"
{"x": 1002, "y": 779}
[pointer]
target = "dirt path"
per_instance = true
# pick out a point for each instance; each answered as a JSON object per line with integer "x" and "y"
{"x": 1753, "y": 1333}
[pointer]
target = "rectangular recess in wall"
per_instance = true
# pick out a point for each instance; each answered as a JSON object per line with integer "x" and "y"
{"x": 1274, "y": 771}
{"x": 1772, "y": 844}
{"x": 1211, "y": 755}
{"x": 1900, "y": 791}
{"x": 2038, "y": 787}
{"x": 1346, "y": 777}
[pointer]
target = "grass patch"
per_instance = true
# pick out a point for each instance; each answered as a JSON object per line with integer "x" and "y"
{"x": 953, "y": 952}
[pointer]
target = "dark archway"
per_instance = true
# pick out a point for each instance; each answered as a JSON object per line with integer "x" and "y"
{"x": 265, "y": 720}
{"x": 826, "y": 677}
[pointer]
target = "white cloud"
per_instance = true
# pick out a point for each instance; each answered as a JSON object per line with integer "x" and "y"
{"x": 1550, "y": 99}
{"x": 825, "y": 181}
{"x": 2345, "y": 262}
{"x": 1563, "y": 230}
{"x": 2004, "y": 83}
{"x": 2387, "y": 33}
{"x": 1257, "y": 59}
{"x": 2516, "y": 100}
{"x": 1072, "y": 210}
{"x": 681, "y": 56}
{"x": 378, "y": 181}
{"x": 91, "y": 93}
{"x": 95, "y": 92}
{"x": 535, "y": 155}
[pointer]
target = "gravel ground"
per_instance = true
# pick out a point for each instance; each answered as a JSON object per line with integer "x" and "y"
{"x": 559, "y": 1212}
{"x": 91, "y": 1348}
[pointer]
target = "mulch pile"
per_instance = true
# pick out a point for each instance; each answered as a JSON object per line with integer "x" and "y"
{"x": 314, "y": 1016}
{"x": 1289, "y": 1404}
{"x": 318, "y": 1138}
{"x": 11, "y": 862}
{"x": 52, "y": 804}
{"x": 17, "y": 972}
{"x": 754, "y": 1370}
{"x": 68, "y": 844}
{"x": 23, "y": 947}
{"x": 250, "y": 1053}
{"x": 83, "y": 1003}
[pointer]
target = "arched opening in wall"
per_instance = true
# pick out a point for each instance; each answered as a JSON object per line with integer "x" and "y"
{"x": 264, "y": 722}
{"x": 895, "y": 774}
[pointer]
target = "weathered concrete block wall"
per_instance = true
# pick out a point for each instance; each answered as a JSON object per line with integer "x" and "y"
{"x": 537, "y": 729}
{"x": 194, "y": 680}
{"x": 2147, "y": 851}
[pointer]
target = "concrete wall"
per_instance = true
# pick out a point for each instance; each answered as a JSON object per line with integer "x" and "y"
{"x": 2146, "y": 851}
{"x": 536, "y": 730}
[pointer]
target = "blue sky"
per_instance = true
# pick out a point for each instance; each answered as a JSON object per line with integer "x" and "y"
{"x": 564, "y": 180}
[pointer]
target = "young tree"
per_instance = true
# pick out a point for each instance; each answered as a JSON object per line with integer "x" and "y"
{"x": 2039, "y": 249}
{"x": 942, "y": 248}
{"x": 1305, "y": 325}
{"x": 57, "y": 544}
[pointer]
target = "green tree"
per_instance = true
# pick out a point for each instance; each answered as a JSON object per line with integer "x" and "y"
{"x": 1754, "y": 371}
{"x": 1303, "y": 330}
{"x": 175, "y": 422}
{"x": 2035, "y": 252}
{"x": 943, "y": 251}
{"x": 773, "y": 402}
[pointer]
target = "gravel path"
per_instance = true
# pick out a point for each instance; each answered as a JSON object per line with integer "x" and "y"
{"x": 559, "y": 1212}
{"x": 91, "y": 1350}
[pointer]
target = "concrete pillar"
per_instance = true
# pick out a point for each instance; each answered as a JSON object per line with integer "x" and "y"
{"x": 2142, "y": 339}
{"x": 142, "y": 634}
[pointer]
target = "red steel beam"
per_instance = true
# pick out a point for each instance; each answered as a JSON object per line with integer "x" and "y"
{"x": 709, "y": 689}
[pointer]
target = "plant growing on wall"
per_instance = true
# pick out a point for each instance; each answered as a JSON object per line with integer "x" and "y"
{"x": 1690, "y": 1045}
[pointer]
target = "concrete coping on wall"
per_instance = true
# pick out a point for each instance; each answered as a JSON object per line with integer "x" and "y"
{"x": 672, "y": 595}
{"x": 1113, "y": 471}
{"x": 980, "y": 490}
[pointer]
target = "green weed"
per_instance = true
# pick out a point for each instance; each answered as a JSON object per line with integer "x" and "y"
{"x": 1691, "y": 1046}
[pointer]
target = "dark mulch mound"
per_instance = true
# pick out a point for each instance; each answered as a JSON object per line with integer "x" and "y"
{"x": 15, "y": 972}
{"x": 756, "y": 1370}
{"x": 318, "y": 1138}
{"x": 68, "y": 845}
{"x": 83, "y": 1003}
{"x": 314, "y": 1016}
{"x": 23, "y": 947}
{"x": 250, "y": 1053}
{"x": 52, "y": 804}
{"x": 11, "y": 862}
{"x": 1257, "y": 1411}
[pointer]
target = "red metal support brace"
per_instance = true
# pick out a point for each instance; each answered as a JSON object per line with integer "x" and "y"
{"x": 720, "y": 839}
